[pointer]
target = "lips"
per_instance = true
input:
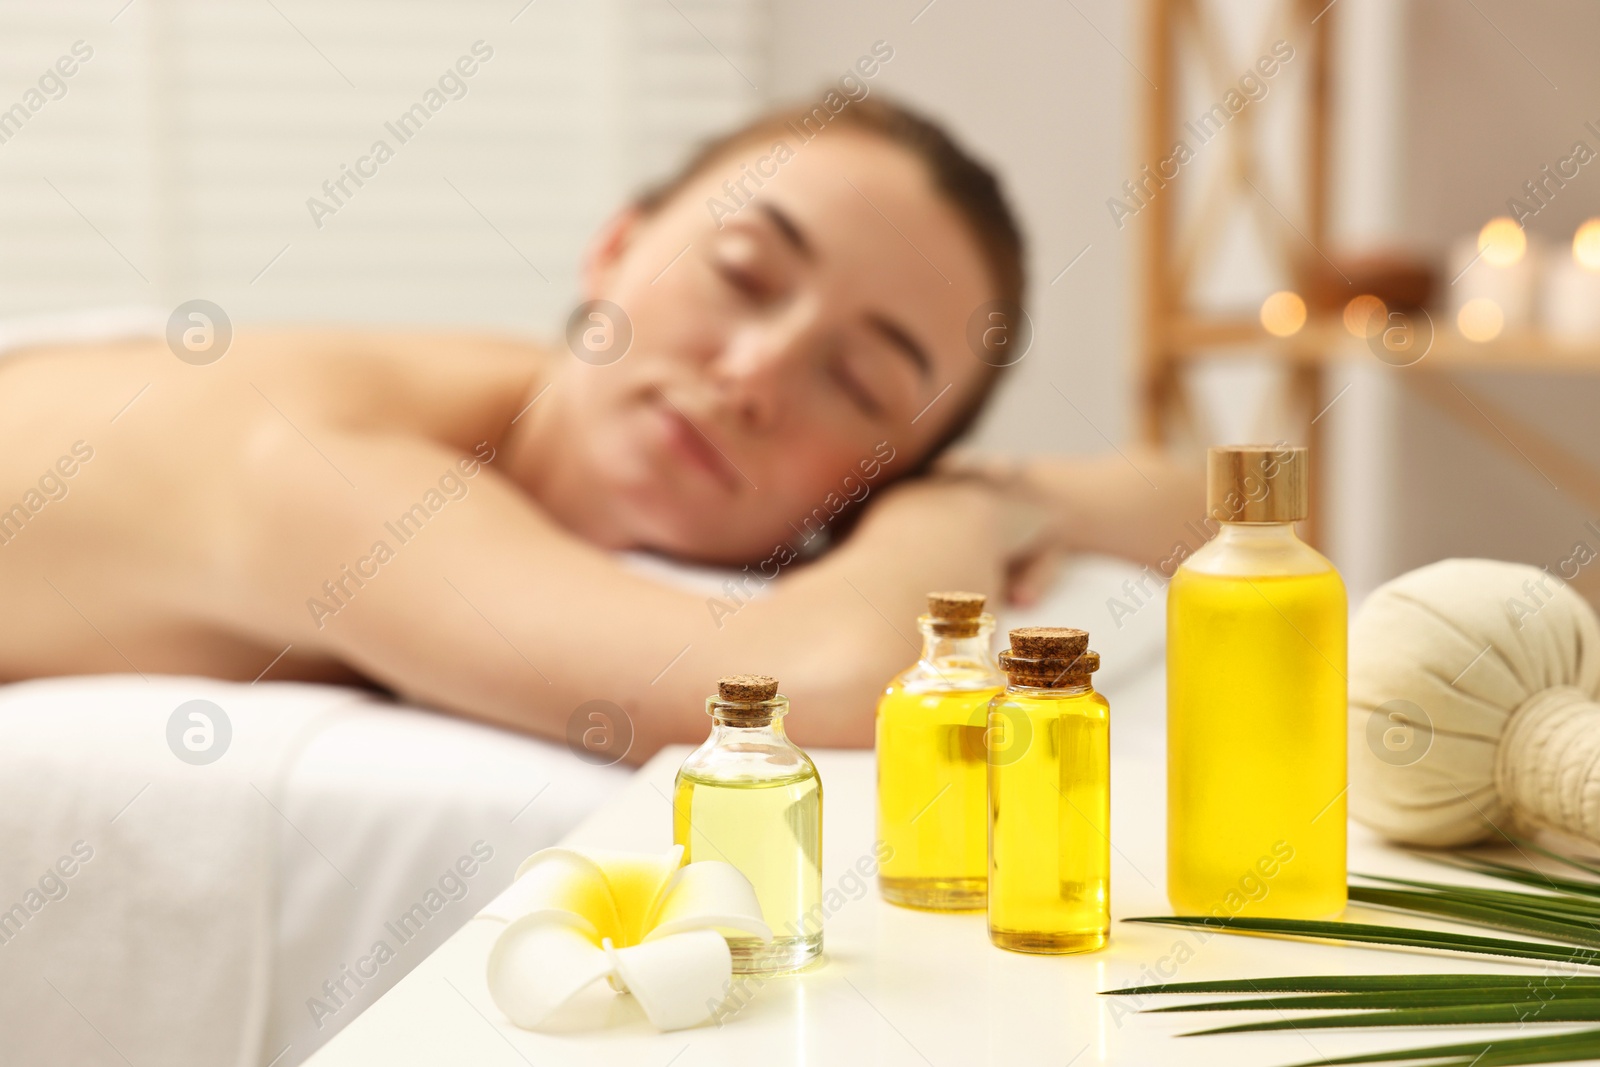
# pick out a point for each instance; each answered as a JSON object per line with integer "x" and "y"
{"x": 690, "y": 445}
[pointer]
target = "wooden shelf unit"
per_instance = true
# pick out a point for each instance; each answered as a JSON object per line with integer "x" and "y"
{"x": 1177, "y": 333}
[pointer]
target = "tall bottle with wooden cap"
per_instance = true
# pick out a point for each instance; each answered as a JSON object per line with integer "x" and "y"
{"x": 1256, "y": 698}
{"x": 750, "y": 797}
{"x": 1049, "y": 756}
{"x": 932, "y": 807}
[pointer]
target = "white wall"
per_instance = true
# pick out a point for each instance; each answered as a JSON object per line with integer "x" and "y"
{"x": 1034, "y": 87}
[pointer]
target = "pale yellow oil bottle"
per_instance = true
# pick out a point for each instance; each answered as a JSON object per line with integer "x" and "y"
{"x": 932, "y": 779}
{"x": 750, "y": 797}
{"x": 1049, "y": 765}
{"x": 1256, "y": 704}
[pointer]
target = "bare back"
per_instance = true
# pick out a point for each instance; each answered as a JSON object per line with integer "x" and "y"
{"x": 157, "y": 516}
{"x": 367, "y": 507}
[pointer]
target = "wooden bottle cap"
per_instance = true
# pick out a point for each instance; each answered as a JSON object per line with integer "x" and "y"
{"x": 747, "y": 688}
{"x": 1258, "y": 483}
{"x": 1048, "y": 642}
{"x": 955, "y": 605}
{"x": 1051, "y": 657}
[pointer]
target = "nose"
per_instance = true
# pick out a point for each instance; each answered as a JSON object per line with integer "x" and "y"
{"x": 762, "y": 367}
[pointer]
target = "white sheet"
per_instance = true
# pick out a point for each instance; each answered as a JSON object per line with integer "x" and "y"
{"x": 215, "y": 900}
{"x": 95, "y": 326}
{"x": 395, "y": 798}
{"x": 140, "y": 888}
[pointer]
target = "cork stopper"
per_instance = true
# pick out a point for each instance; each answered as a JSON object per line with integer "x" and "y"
{"x": 1050, "y": 657}
{"x": 1049, "y": 642}
{"x": 955, "y": 605}
{"x": 955, "y": 614}
{"x": 747, "y": 688}
{"x": 746, "y": 700}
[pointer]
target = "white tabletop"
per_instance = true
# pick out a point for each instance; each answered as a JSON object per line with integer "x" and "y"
{"x": 907, "y": 987}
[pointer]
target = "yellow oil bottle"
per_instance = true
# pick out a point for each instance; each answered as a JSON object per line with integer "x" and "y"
{"x": 932, "y": 780}
{"x": 1049, "y": 761}
{"x": 1256, "y": 703}
{"x": 750, "y": 797}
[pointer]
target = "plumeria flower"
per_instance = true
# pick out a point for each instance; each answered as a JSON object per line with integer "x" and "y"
{"x": 651, "y": 927}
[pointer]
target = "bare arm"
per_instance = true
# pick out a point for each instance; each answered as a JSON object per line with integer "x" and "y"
{"x": 489, "y": 610}
{"x": 1137, "y": 503}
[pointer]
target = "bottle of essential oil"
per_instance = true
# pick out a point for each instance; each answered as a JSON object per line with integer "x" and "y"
{"x": 750, "y": 797}
{"x": 1256, "y": 703}
{"x": 1049, "y": 757}
{"x": 932, "y": 805}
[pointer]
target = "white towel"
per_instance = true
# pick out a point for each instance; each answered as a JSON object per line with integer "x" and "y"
{"x": 138, "y": 890}
{"x": 94, "y": 326}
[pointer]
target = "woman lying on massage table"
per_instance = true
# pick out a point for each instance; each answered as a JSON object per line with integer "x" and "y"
{"x": 437, "y": 513}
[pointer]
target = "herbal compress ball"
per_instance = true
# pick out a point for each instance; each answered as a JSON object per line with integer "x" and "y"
{"x": 1473, "y": 705}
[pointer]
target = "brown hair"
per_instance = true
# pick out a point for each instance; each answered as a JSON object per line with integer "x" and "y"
{"x": 966, "y": 184}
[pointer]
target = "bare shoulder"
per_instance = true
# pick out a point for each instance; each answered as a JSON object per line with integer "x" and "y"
{"x": 422, "y": 347}
{"x": 439, "y": 384}
{"x": 319, "y": 501}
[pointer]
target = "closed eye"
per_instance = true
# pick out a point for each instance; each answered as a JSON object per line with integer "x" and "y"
{"x": 745, "y": 282}
{"x": 855, "y": 389}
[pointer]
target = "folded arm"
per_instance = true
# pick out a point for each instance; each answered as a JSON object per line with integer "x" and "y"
{"x": 484, "y": 607}
{"x": 1135, "y": 503}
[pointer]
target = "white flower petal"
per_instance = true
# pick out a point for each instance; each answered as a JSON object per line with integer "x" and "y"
{"x": 568, "y": 909}
{"x": 710, "y": 895}
{"x": 538, "y": 963}
{"x": 680, "y": 980}
{"x": 560, "y": 880}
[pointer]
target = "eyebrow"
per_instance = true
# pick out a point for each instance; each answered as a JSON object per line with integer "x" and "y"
{"x": 894, "y": 333}
{"x": 790, "y": 231}
{"x": 900, "y": 339}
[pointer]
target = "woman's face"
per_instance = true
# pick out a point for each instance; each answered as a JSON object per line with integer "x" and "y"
{"x": 795, "y": 343}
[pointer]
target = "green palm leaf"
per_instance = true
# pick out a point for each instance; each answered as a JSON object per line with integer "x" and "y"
{"x": 1527, "y": 990}
{"x": 1349, "y": 983}
{"x": 1551, "y": 1048}
{"x": 1365, "y": 933}
{"x": 1523, "y": 843}
{"x": 1529, "y": 1011}
{"x": 1521, "y": 918}
{"x": 1522, "y": 875}
{"x": 1537, "y": 904}
{"x": 1561, "y": 909}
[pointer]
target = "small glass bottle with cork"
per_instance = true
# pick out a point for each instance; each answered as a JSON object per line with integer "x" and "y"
{"x": 932, "y": 779}
{"x": 750, "y": 797}
{"x": 1049, "y": 761}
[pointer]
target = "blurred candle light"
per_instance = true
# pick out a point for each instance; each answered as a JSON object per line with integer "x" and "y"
{"x": 1502, "y": 242}
{"x": 1283, "y": 313}
{"x": 1572, "y": 290}
{"x": 1586, "y": 245}
{"x": 1365, "y": 315}
{"x": 1480, "y": 319}
{"x": 1499, "y": 267}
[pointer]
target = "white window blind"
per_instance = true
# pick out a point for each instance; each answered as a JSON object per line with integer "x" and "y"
{"x": 179, "y": 160}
